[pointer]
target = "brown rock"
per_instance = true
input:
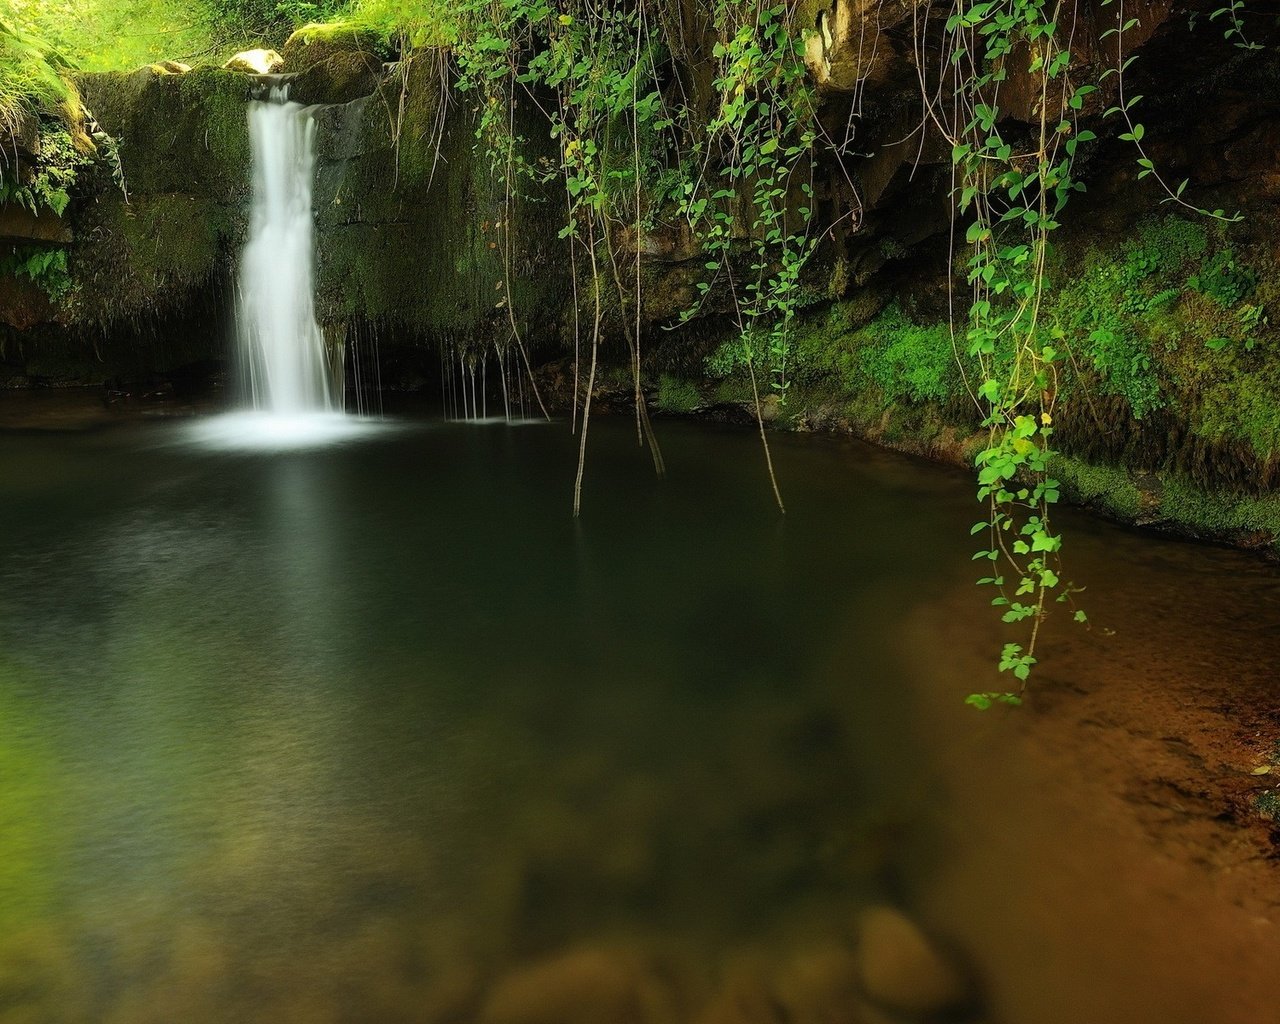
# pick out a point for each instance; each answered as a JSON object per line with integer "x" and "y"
{"x": 820, "y": 986}
{"x": 19, "y": 224}
{"x": 743, "y": 999}
{"x": 900, "y": 969}
{"x": 845, "y": 49}
{"x": 585, "y": 986}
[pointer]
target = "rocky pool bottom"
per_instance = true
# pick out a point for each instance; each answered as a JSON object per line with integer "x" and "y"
{"x": 377, "y": 732}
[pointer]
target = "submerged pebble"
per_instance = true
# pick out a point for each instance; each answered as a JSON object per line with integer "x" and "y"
{"x": 901, "y": 969}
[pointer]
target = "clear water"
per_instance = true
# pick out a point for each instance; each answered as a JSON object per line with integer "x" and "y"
{"x": 352, "y": 733}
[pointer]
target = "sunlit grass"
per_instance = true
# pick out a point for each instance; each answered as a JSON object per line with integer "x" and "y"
{"x": 30, "y": 79}
{"x": 110, "y": 35}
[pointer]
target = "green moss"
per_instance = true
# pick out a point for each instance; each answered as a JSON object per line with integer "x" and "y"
{"x": 178, "y": 133}
{"x": 909, "y": 361}
{"x": 732, "y": 391}
{"x": 677, "y": 396}
{"x": 1220, "y": 515}
{"x": 318, "y": 41}
{"x": 1109, "y": 488}
{"x": 1237, "y": 402}
{"x": 1224, "y": 279}
{"x": 1116, "y": 305}
{"x": 170, "y": 238}
{"x": 414, "y": 230}
{"x": 899, "y": 359}
{"x": 217, "y": 101}
{"x": 1163, "y": 319}
{"x": 823, "y": 350}
{"x": 1171, "y": 244}
{"x": 148, "y": 256}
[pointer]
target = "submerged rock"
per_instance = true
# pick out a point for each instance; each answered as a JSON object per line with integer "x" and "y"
{"x": 820, "y": 986}
{"x": 901, "y": 969}
{"x": 255, "y": 62}
{"x": 585, "y": 986}
{"x": 745, "y": 999}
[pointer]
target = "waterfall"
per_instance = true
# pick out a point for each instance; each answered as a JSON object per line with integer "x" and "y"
{"x": 282, "y": 351}
{"x": 295, "y": 393}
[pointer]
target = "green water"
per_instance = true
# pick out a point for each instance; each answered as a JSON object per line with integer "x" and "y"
{"x": 351, "y": 734}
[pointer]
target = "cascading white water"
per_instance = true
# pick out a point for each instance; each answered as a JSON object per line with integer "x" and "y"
{"x": 282, "y": 351}
{"x": 282, "y": 355}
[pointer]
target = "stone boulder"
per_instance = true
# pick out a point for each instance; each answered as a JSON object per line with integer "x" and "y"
{"x": 820, "y": 986}
{"x": 341, "y": 78}
{"x": 900, "y": 969}
{"x": 255, "y": 62}
{"x": 744, "y": 999}
{"x": 583, "y": 986}
{"x": 315, "y": 44}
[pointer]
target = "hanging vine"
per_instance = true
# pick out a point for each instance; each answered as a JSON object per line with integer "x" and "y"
{"x": 633, "y": 147}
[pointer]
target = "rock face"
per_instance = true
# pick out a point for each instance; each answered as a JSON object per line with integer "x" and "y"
{"x": 18, "y": 224}
{"x": 901, "y": 970}
{"x": 416, "y": 240}
{"x": 184, "y": 154}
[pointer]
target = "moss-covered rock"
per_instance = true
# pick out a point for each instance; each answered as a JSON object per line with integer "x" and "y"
{"x": 318, "y": 42}
{"x": 414, "y": 231}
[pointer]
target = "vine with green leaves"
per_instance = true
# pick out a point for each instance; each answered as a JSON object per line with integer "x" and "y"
{"x": 638, "y": 149}
{"x": 724, "y": 147}
{"x": 1010, "y": 190}
{"x": 765, "y": 132}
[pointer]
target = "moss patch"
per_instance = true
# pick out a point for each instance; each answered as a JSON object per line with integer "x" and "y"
{"x": 1203, "y": 513}
{"x": 1109, "y": 489}
{"x": 677, "y": 396}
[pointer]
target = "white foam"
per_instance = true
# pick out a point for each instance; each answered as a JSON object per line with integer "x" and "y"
{"x": 274, "y": 432}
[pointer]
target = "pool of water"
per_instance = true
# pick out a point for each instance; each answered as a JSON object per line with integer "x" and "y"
{"x": 354, "y": 732}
